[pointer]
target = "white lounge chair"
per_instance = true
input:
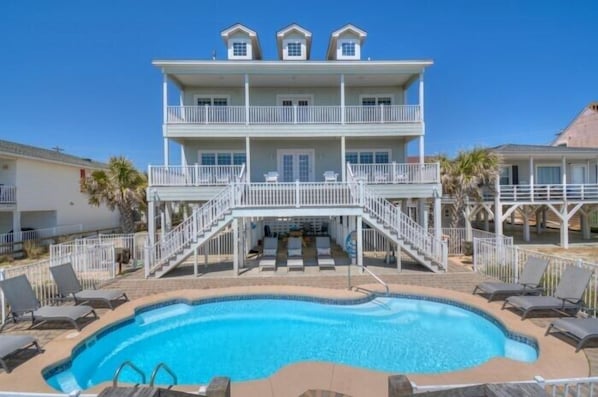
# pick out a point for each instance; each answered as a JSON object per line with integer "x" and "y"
{"x": 271, "y": 177}
{"x": 323, "y": 253}
{"x": 269, "y": 254}
{"x": 295, "y": 253}
{"x": 330, "y": 176}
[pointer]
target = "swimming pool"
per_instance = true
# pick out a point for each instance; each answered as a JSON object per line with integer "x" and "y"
{"x": 247, "y": 338}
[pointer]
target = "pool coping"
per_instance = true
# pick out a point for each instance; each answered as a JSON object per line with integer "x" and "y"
{"x": 294, "y": 379}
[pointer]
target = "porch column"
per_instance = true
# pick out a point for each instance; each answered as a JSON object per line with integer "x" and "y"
{"x": 359, "y": 242}
{"x": 343, "y": 161}
{"x": 16, "y": 226}
{"x": 564, "y": 175}
{"x": 168, "y": 217}
{"x": 342, "y": 99}
{"x": 538, "y": 221}
{"x": 586, "y": 231}
{"x": 421, "y": 149}
{"x": 236, "y": 247}
{"x": 526, "y": 234}
{"x": 564, "y": 226}
{"x": 183, "y": 158}
{"x": 165, "y": 115}
{"x": 166, "y": 159}
{"x": 421, "y": 209}
{"x": 246, "y": 99}
{"x": 437, "y": 215}
{"x": 497, "y": 209}
{"x": 421, "y": 115}
{"x": 151, "y": 220}
{"x": 531, "y": 176}
{"x": 247, "y": 160}
{"x": 468, "y": 228}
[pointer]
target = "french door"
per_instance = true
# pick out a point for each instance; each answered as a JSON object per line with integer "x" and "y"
{"x": 578, "y": 174}
{"x": 296, "y": 165}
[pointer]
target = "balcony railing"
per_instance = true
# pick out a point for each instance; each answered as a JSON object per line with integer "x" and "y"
{"x": 543, "y": 192}
{"x": 8, "y": 194}
{"x": 263, "y": 115}
{"x": 195, "y": 175}
{"x": 393, "y": 173}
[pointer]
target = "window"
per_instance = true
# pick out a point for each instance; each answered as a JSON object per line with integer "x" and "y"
{"x": 352, "y": 157}
{"x": 211, "y": 101}
{"x": 368, "y": 157}
{"x": 505, "y": 176}
{"x": 375, "y": 100}
{"x": 222, "y": 158}
{"x": 549, "y": 174}
{"x": 294, "y": 49}
{"x": 239, "y": 49}
{"x": 348, "y": 49}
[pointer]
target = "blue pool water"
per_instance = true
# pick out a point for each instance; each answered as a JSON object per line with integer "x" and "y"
{"x": 253, "y": 338}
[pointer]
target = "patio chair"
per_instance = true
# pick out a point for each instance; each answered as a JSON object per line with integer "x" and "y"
{"x": 295, "y": 253}
{"x": 323, "y": 254}
{"x": 330, "y": 176}
{"x": 269, "y": 253}
{"x": 580, "y": 329}
{"x": 10, "y": 344}
{"x": 22, "y": 301}
{"x": 271, "y": 177}
{"x": 528, "y": 284}
{"x": 68, "y": 285}
{"x": 567, "y": 296}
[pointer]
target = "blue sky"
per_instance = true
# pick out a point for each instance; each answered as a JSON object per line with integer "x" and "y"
{"x": 77, "y": 74}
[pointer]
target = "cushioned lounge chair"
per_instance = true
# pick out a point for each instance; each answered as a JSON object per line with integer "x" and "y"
{"x": 10, "y": 344}
{"x": 68, "y": 285}
{"x": 529, "y": 282}
{"x": 22, "y": 301}
{"x": 294, "y": 253}
{"x": 567, "y": 296}
{"x": 269, "y": 253}
{"x": 324, "y": 255}
{"x": 580, "y": 329}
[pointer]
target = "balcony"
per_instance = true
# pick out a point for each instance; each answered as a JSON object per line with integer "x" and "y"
{"x": 8, "y": 194}
{"x": 195, "y": 175}
{"x": 544, "y": 192}
{"x": 277, "y": 115}
{"x": 394, "y": 173}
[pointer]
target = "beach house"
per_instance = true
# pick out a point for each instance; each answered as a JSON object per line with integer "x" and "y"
{"x": 313, "y": 142}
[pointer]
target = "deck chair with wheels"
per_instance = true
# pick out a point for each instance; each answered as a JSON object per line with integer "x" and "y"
{"x": 323, "y": 253}
{"x": 69, "y": 286}
{"x": 528, "y": 284}
{"x": 567, "y": 298}
{"x": 580, "y": 329}
{"x": 295, "y": 253}
{"x": 10, "y": 344}
{"x": 23, "y": 304}
{"x": 269, "y": 253}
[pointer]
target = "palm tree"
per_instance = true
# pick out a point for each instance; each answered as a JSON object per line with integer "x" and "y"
{"x": 465, "y": 177}
{"x": 121, "y": 187}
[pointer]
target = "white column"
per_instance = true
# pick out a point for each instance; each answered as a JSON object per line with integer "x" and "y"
{"x": 151, "y": 221}
{"x": 343, "y": 161}
{"x": 247, "y": 159}
{"x": 16, "y": 226}
{"x": 359, "y": 242}
{"x": 531, "y": 172}
{"x": 437, "y": 216}
{"x": 526, "y": 234}
{"x": 564, "y": 226}
{"x": 236, "y": 247}
{"x": 167, "y": 217}
{"x": 497, "y": 209}
{"x": 421, "y": 149}
{"x": 585, "y": 226}
{"x": 421, "y": 112}
{"x": 421, "y": 212}
{"x": 246, "y": 99}
{"x": 165, "y": 115}
{"x": 342, "y": 99}
{"x": 166, "y": 158}
{"x": 183, "y": 157}
{"x": 564, "y": 174}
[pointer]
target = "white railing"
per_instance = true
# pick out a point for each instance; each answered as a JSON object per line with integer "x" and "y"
{"x": 13, "y": 242}
{"x": 8, "y": 194}
{"x": 543, "y": 192}
{"x": 186, "y": 233}
{"x": 375, "y": 242}
{"x": 262, "y": 115}
{"x": 456, "y": 237}
{"x": 506, "y": 262}
{"x": 396, "y": 173}
{"x": 194, "y": 175}
{"x": 294, "y": 194}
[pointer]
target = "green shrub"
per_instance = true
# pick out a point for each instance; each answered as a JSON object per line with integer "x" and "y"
{"x": 33, "y": 250}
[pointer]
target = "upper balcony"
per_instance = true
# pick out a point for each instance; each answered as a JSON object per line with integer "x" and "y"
{"x": 8, "y": 194}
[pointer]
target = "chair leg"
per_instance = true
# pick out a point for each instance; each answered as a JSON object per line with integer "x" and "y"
{"x": 4, "y": 365}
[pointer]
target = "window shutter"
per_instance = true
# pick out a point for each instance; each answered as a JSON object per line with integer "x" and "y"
{"x": 515, "y": 172}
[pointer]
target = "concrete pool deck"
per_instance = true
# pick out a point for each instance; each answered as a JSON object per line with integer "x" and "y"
{"x": 557, "y": 358}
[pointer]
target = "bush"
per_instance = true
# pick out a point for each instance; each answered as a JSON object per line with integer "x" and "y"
{"x": 468, "y": 248}
{"x": 33, "y": 250}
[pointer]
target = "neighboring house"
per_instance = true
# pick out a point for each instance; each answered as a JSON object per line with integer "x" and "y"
{"x": 537, "y": 181}
{"x": 40, "y": 189}
{"x": 296, "y": 138}
{"x": 583, "y": 130}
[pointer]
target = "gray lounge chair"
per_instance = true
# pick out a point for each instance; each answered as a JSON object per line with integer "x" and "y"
{"x": 294, "y": 253}
{"x": 269, "y": 253}
{"x": 323, "y": 253}
{"x": 580, "y": 329}
{"x": 10, "y": 344}
{"x": 529, "y": 282}
{"x": 68, "y": 285}
{"x": 567, "y": 296}
{"x": 22, "y": 301}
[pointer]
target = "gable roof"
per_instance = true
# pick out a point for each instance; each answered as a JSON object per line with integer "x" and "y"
{"x": 237, "y": 27}
{"x": 335, "y": 35}
{"x": 293, "y": 28}
{"x": 511, "y": 150}
{"x": 31, "y": 152}
{"x": 585, "y": 123}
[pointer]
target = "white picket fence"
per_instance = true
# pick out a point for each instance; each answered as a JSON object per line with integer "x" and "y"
{"x": 505, "y": 262}
{"x": 456, "y": 237}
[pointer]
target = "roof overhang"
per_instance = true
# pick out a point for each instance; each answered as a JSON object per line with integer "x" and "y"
{"x": 538, "y": 152}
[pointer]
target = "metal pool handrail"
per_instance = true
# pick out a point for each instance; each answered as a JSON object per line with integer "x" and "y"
{"x": 167, "y": 369}
{"x": 127, "y": 363}
{"x": 378, "y": 279}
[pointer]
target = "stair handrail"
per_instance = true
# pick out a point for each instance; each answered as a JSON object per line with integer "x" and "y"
{"x": 135, "y": 368}
{"x": 186, "y": 232}
{"x": 378, "y": 279}
{"x": 168, "y": 371}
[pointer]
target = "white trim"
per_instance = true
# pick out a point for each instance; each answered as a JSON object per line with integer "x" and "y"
{"x": 312, "y": 157}
{"x": 211, "y": 96}
{"x": 377, "y": 96}
{"x": 248, "y": 49}
{"x": 357, "y": 47}
{"x": 294, "y": 98}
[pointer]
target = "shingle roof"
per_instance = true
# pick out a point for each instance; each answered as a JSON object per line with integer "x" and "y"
{"x": 542, "y": 149}
{"x": 21, "y": 150}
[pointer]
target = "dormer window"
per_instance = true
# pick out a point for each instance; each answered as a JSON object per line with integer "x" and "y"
{"x": 345, "y": 44}
{"x": 348, "y": 48}
{"x": 294, "y": 49}
{"x": 239, "y": 49}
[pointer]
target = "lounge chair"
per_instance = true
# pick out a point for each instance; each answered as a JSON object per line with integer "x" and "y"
{"x": 294, "y": 253}
{"x": 10, "y": 344}
{"x": 323, "y": 254}
{"x": 22, "y": 301}
{"x": 529, "y": 282}
{"x": 68, "y": 285}
{"x": 567, "y": 296}
{"x": 580, "y": 329}
{"x": 269, "y": 253}
{"x": 330, "y": 176}
{"x": 271, "y": 177}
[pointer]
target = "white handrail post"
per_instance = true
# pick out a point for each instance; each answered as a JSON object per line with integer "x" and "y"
{"x": 361, "y": 193}
{"x": 297, "y": 195}
{"x": 294, "y": 114}
{"x": 194, "y": 225}
{"x": 382, "y": 113}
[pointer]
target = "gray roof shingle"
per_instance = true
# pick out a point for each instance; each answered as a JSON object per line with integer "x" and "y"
{"x": 21, "y": 150}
